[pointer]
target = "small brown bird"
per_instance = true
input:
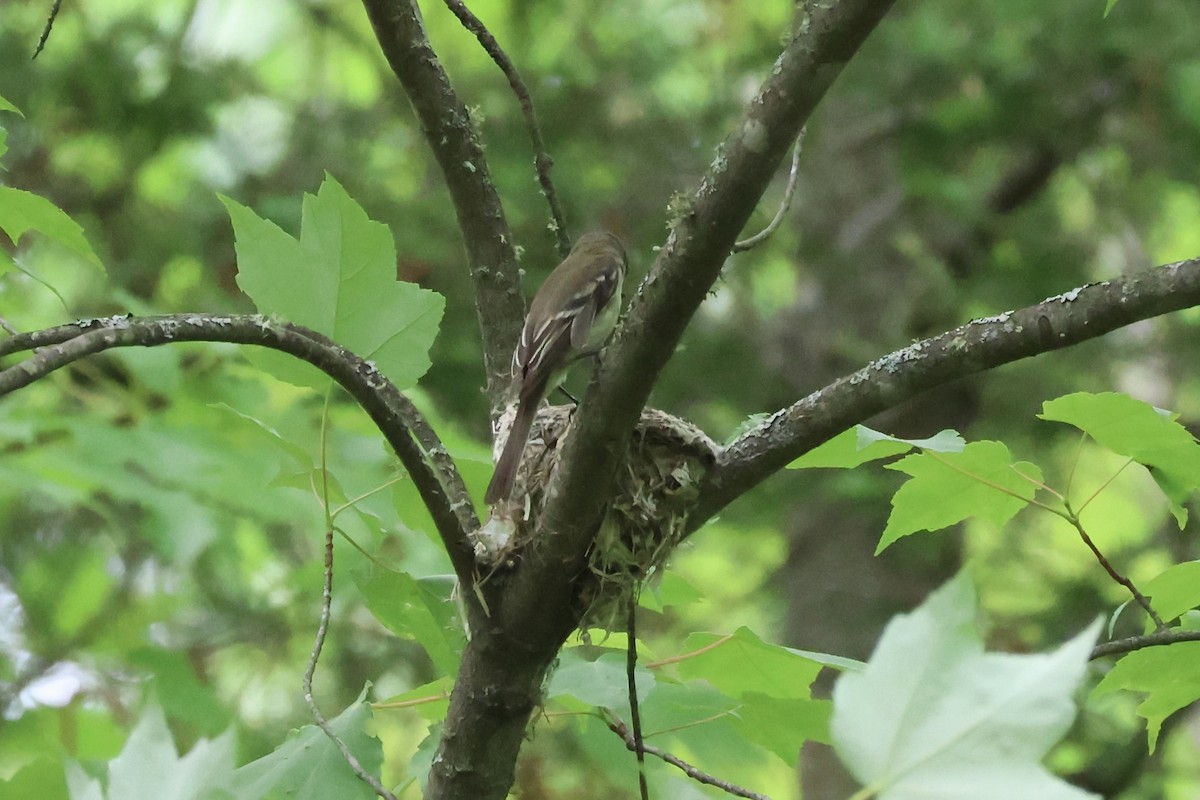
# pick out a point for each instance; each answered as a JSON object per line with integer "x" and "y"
{"x": 571, "y": 316}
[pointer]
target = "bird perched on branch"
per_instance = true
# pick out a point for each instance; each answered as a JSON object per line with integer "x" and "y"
{"x": 571, "y": 316}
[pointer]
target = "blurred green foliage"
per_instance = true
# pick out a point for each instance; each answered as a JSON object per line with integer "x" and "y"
{"x": 160, "y": 536}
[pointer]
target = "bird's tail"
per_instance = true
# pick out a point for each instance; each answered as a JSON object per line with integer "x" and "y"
{"x": 506, "y": 468}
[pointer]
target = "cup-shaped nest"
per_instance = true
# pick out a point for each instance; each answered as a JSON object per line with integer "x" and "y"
{"x": 655, "y": 486}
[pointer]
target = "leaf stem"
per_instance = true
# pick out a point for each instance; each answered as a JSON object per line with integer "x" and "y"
{"x": 685, "y": 656}
{"x": 356, "y": 500}
{"x": 323, "y": 624}
{"x": 1103, "y": 486}
{"x": 416, "y": 701}
{"x": 1075, "y": 462}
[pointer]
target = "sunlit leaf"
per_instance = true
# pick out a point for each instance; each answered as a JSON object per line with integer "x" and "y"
{"x": 830, "y": 660}
{"x": 1136, "y": 429}
{"x": 742, "y": 663}
{"x": 5, "y": 106}
{"x": 1175, "y": 590}
{"x": 704, "y": 720}
{"x": 671, "y": 589}
{"x": 783, "y": 726}
{"x": 82, "y": 786}
{"x": 150, "y": 766}
{"x": 43, "y": 778}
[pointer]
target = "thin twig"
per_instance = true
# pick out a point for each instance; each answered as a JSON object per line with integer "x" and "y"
{"x": 1131, "y": 643}
{"x": 318, "y": 717}
{"x": 620, "y": 729}
{"x": 323, "y": 625}
{"x": 542, "y": 161}
{"x": 1112, "y": 572}
{"x": 46, "y": 30}
{"x": 8, "y": 327}
{"x": 635, "y": 715}
{"x": 788, "y": 192}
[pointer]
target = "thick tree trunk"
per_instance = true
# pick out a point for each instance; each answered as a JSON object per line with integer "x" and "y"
{"x": 499, "y": 686}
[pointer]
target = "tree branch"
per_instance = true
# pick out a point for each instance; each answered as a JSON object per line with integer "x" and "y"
{"x": 446, "y": 124}
{"x": 442, "y": 492}
{"x": 532, "y": 607}
{"x": 1056, "y": 322}
{"x": 1072, "y": 518}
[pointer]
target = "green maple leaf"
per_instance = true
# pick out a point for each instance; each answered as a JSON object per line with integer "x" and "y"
{"x": 1148, "y": 435}
{"x": 338, "y": 278}
{"x": 947, "y": 488}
